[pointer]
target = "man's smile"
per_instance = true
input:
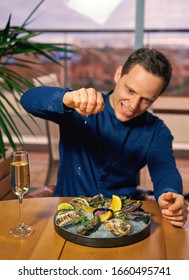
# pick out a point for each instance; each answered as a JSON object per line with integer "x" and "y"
{"x": 125, "y": 111}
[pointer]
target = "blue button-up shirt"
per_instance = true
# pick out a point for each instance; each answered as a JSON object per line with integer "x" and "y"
{"x": 100, "y": 154}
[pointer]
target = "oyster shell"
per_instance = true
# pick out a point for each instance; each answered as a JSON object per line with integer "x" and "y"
{"x": 117, "y": 226}
{"x": 96, "y": 201}
{"x": 67, "y": 217}
{"x": 91, "y": 226}
{"x": 130, "y": 206}
{"x": 79, "y": 202}
{"x": 136, "y": 216}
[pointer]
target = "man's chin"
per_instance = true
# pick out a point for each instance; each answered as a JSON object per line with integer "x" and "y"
{"x": 123, "y": 118}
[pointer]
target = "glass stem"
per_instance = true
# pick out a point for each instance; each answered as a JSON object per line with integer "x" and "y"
{"x": 20, "y": 199}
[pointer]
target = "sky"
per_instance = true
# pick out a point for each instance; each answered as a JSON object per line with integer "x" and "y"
{"x": 97, "y": 10}
{"x": 99, "y": 14}
{"x": 96, "y": 13}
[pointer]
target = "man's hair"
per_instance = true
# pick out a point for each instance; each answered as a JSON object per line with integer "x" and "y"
{"x": 152, "y": 61}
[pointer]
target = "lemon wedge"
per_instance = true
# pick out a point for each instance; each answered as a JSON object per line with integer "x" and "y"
{"x": 65, "y": 205}
{"x": 116, "y": 203}
{"x": 88, "y": 209}
{"x": 105, "y": 216}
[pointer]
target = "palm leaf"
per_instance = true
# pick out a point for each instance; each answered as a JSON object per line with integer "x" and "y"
{"x": 16, "y": 40}
{"x": 32, "y": 13}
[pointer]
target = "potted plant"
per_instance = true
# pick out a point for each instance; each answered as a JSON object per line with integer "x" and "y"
{"x": 16, "y": 46}
{"x": 15, "y": 41}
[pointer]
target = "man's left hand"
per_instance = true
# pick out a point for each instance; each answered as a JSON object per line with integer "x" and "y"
{"x": 174, "y": 208}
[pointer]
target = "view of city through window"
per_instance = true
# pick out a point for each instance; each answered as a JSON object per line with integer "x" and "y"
{"x": 102, "y": 36}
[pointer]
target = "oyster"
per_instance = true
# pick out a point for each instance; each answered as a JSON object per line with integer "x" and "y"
{"x": 79, "y": 202}
{"x": 117, "y": 226}
{"x": 130, "y": 206}
{"x": 136, "y": 216}
{"x": 96, "y": 201}
{"x": 91, "y": 226}
{"x": 68, "y": 217}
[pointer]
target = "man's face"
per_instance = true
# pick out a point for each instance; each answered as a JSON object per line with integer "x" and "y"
{"x": 134, "y": 92}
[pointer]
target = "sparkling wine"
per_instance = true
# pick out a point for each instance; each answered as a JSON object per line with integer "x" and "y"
{"x": 20, "y": 177}
{"x": 20, "y": 183}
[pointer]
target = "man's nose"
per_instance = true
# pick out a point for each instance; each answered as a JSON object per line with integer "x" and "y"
{"x": 134, "y": 102}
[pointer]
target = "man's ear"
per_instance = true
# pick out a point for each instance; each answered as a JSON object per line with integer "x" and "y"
{"x": 117, "y": 74}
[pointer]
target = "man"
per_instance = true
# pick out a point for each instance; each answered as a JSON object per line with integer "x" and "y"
{"x": 105, "y": 139}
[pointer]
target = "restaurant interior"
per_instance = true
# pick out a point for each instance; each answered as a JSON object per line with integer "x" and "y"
{"x": 42, "y": 146}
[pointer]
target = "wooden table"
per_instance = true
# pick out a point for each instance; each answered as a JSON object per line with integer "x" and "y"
{"x": 164, "y": 241}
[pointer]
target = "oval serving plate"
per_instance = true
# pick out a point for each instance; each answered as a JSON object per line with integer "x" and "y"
{"x": 140, "y": 230}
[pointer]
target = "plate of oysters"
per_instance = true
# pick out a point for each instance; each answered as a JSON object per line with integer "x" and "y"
{"x": 102, "y": 222}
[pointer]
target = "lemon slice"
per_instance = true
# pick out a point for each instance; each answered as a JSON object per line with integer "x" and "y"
{"x": 116, "y": 203}
{"x": 65, "y": 205}
{"x": 88, "y": 209}
{"x": 105, "y": 216}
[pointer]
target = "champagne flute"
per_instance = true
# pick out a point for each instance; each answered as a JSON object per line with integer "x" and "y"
{"x": 20, "y": 183}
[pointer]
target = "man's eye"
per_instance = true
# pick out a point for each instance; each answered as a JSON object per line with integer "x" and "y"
{"x": 130, "y": 91}
{"x": 147, "y": 101}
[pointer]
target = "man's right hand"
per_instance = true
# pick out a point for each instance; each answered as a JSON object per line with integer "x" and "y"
{"x": 85, "y": 101}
